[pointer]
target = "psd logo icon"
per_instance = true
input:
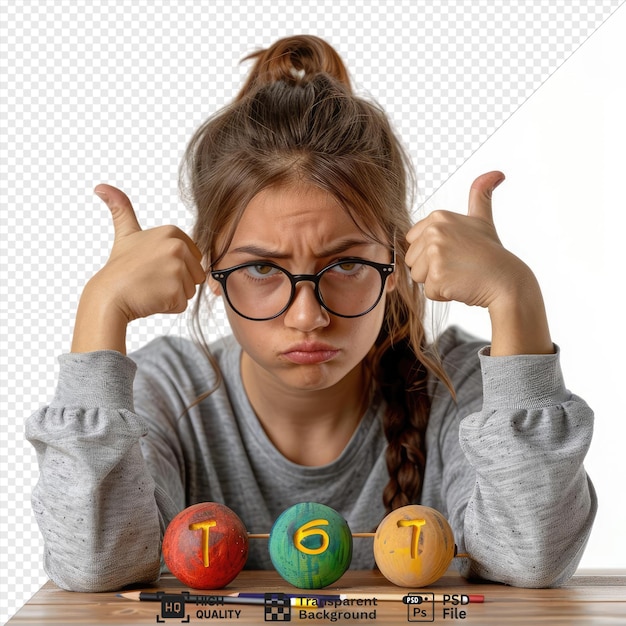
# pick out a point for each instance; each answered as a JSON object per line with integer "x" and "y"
{"x": 420, "y": 607}
{"x": 277, "y": 607}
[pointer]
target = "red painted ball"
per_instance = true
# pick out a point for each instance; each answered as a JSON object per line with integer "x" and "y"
{"x": 205, "y": 546}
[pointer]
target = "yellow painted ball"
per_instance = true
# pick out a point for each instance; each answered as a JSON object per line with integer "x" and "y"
{"x": 414, "y": 546}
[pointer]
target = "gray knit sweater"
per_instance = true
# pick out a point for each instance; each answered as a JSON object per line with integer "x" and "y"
{"x": 119, "y": 455}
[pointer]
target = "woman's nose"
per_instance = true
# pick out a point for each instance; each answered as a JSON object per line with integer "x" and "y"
{"x": 305, "y": 312}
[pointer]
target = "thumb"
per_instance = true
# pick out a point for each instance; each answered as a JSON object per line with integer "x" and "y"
{"x": 480, "y": 195}
{"x": 124, "y": 218}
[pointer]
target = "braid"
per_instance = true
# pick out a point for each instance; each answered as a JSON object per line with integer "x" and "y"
{"x": 401, "y": 362}
{"x": 402, "y": 382}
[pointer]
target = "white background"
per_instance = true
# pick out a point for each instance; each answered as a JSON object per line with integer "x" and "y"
{"x": 111, "y": 92}
{"x": 562, "y": 209}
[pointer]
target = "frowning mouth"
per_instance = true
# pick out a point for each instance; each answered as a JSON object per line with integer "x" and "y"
{"x": 310, "y": 353}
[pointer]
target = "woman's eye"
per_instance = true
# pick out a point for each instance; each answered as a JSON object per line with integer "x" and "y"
{"x": 261, "y": 270}
{"x": 349, "y": 267}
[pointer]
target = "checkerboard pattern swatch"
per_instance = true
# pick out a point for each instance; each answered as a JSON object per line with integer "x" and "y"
{"x": 277, "y": 607}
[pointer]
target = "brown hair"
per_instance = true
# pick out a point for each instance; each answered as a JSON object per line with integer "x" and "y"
{"x": 297, "y": 120}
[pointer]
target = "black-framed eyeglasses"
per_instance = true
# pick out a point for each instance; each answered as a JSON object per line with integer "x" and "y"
{"x": 261, "y": 291}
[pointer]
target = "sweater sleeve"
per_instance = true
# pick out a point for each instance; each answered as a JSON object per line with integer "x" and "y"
{"x": 532, "y": 507}
{"x": 96, "y": 503}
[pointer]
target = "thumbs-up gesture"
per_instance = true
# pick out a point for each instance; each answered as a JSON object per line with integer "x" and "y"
{"x": 460, "y": 257}
{"x": 148, "y": 272}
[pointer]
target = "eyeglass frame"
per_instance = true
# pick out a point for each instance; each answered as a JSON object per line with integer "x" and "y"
{"x": 384, "y": 270}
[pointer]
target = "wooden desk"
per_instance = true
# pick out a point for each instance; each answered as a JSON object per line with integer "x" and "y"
{"x": 590, "y": 598}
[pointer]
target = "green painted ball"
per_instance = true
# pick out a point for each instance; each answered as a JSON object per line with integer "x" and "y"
{"x": 310, "y": 545}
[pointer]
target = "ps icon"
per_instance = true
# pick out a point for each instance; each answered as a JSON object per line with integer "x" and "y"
{"x": 420, "y": 607}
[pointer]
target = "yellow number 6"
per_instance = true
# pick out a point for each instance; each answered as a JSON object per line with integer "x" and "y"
{"x": 307, "y": 530}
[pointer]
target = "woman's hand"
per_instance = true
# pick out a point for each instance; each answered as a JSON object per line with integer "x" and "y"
{"x": 148, "y": 271}
{"x": 460, "y": 257}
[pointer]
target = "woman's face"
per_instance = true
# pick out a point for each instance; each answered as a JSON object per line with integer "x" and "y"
{"x": 302, "y": 229}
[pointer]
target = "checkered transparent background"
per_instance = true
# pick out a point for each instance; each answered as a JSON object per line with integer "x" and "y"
{"x": 111, "y": 91}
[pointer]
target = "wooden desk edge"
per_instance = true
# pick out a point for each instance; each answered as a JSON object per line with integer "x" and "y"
{"x": 600, "y": 590}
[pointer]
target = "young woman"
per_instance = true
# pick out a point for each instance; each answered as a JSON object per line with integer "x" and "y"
{"x": 328, "y": 389}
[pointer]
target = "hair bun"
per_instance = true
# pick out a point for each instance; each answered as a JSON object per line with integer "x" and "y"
{"x": 295, "y": 60}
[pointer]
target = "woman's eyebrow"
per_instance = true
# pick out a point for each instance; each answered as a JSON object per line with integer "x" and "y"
{"x": 258, "y": 251}
{"x": 269, "y": 253}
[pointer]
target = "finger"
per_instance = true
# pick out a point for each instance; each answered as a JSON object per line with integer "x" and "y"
{"x": 433, "y": 218}
{"x": 415, "y": 231}
{"x": 189, "y": 287}
{"x": 417, "y": 263}
{"x": 171, "y": 231}
{"x": 124, "y": 218}
{"x": 433, "y": 225}
{"x": 480, "y": 195}
{"x": 195, "y": 270}
{"x": 411, "y": 252}
{"x": 193, "y": 247}
{"x": 415, "y": 239}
